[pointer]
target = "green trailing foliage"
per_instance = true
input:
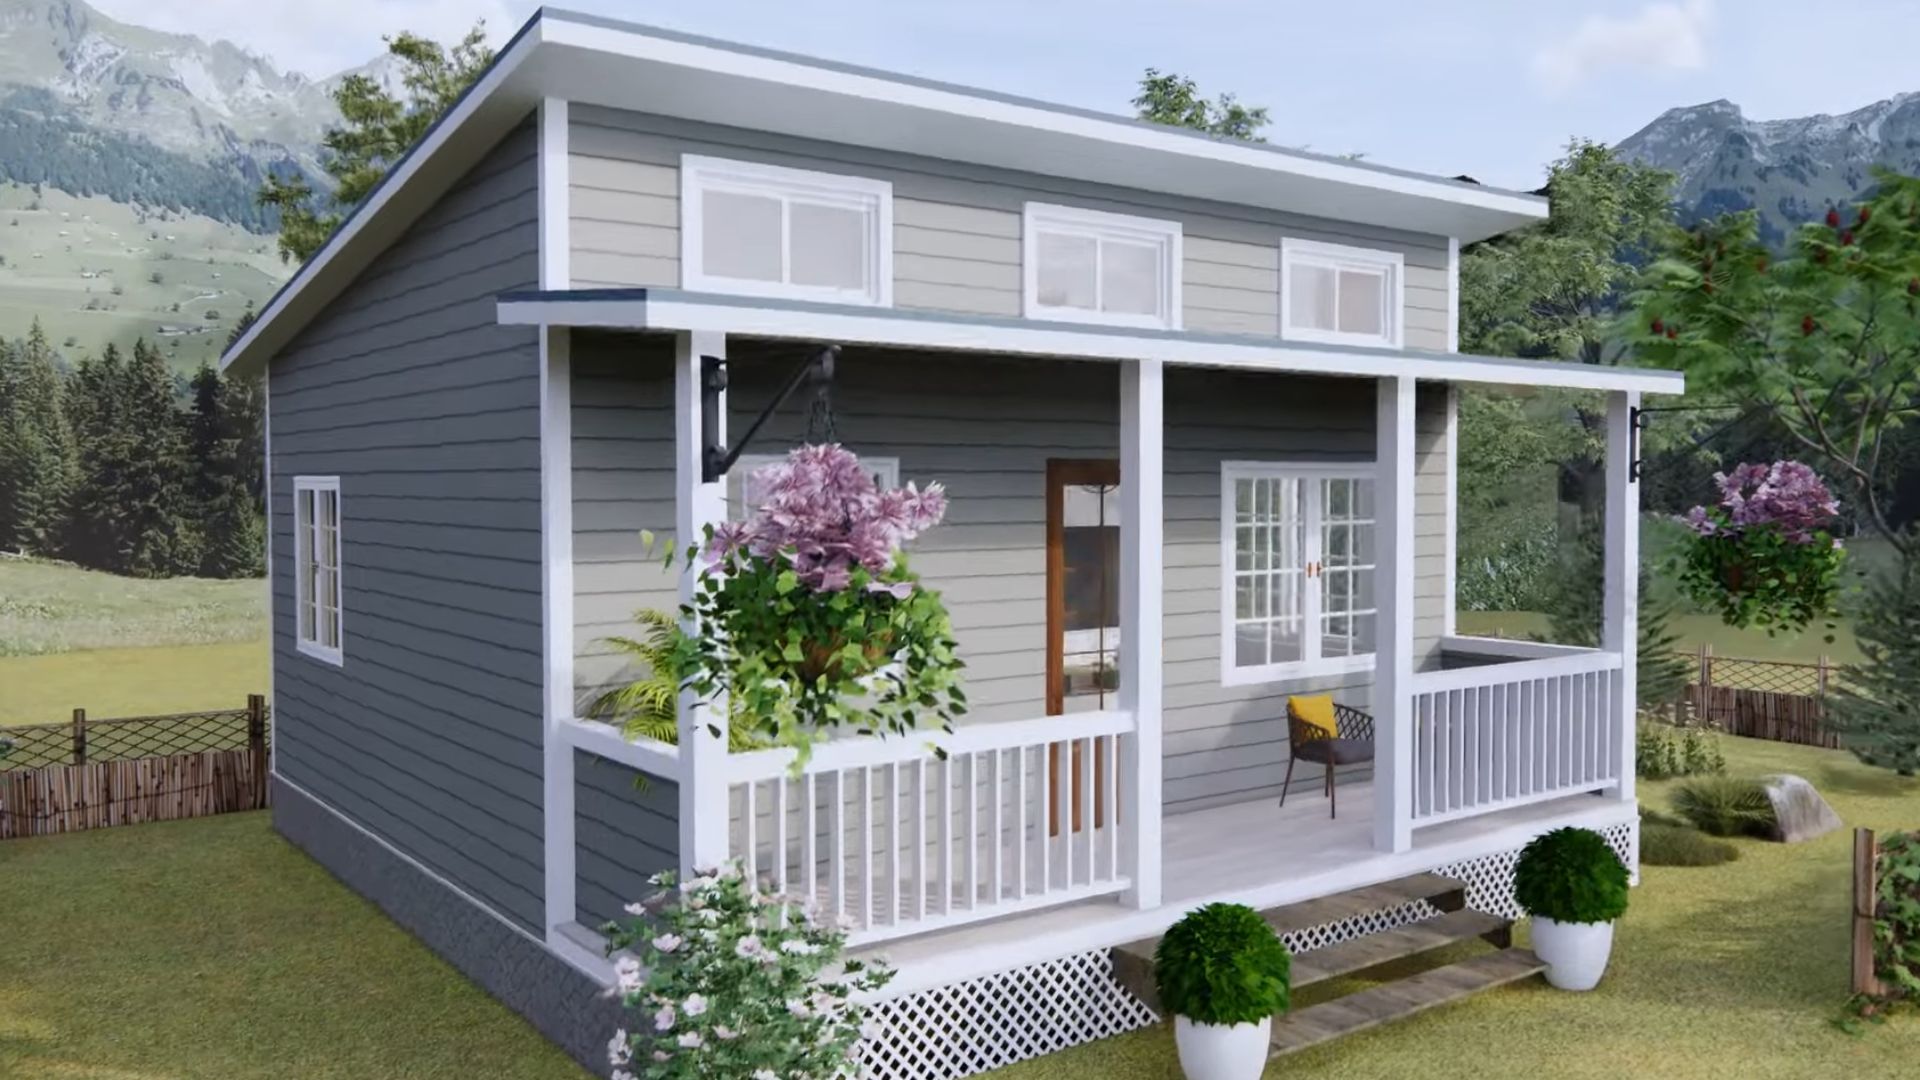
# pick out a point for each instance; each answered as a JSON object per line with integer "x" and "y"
{"x": 1725, "y": 806}
{"x": 649, "y": 706}
{"x": 1663, "y": 751}
{"x": 1222, "y": 964}
{"x": 1876, "y": 708}
{"x": 1572, "y": 876}
{"x": 1896, "y": 915}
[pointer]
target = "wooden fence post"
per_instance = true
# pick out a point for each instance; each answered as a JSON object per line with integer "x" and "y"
{"x": 257, "y": 742}
{"x": 1866, "y": 854}
{"x": 79, "y": 736}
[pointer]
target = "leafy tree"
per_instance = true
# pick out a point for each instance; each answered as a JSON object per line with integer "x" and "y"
{"x": 1876, "y": 707}
{"x": 378, "y": 131}
{"x": 1826, "y": 339}
{"x": 1175, "y": 100}
{"x": 37, "y": 454}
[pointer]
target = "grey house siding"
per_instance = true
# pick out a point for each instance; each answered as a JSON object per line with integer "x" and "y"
{"x": 623, "y": 834}
{"x": 406, "y": 389}
{"x": 985, "y": 429}
{"x": 957, "y": 227}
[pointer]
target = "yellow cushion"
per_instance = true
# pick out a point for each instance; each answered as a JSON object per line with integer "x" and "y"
{"x": 1316, "y": 711}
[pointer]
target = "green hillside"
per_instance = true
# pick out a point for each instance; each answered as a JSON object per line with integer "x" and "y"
{"x": 96, "y": 271}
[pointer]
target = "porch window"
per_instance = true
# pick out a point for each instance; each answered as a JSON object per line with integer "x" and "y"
{"x": 1088, "y": 266}
{"x": 1297, "y": 560}
{"x": 316, "y": 560}
{"x": 744, "y": 494}
{"x": 765, "y": 230}
{"x": 1340, "y": 295}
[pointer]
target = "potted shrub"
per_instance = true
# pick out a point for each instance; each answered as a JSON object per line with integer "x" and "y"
{"x": 726, "y": 981}
{"x": 1223, "y": 974}
{"x": 1763, "y": 556}
{"x": 1574, "y": 886}
{"x": 809, "y": 618}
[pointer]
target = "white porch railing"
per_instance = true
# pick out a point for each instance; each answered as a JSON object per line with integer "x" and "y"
{"x": 1504, "y": 735}
{"x": 893, "y": 840}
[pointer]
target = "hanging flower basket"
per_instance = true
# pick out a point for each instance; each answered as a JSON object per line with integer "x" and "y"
{"x": 809, "y": 618}
{"x": 1763, "y": 556}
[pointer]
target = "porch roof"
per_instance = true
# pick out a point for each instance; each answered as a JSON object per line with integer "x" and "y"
{"x": 671, "y": 310}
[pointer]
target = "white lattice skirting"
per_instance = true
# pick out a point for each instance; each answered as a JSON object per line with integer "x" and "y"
{"x": 982, "y": 1024}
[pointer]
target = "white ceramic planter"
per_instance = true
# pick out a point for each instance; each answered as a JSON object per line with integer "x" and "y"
{"x": 1222, "y": 1051}
{"x": 1575, "y": 953}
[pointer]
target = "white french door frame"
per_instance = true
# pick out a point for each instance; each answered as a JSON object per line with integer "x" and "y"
{"x": 1312, "y": 475}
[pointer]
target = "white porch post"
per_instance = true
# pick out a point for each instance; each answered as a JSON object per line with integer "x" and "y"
{"x": 556, "y": 529}
{"x": 1142, "y": 470}
{"x": 704, "y": 805}
{"x": 1620, "y": 631}
{"x": 1393, "y": 593}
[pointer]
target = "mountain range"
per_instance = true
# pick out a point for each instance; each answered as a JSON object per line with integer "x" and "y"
{"x": 130, "y": 157}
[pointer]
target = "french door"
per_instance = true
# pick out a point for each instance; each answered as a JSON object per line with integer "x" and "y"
{"x": 1298, "y": 562}
{"x": 1083, "y": 614}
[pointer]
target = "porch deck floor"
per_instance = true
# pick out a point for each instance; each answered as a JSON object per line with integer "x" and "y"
{"x": 1253, "y": 852}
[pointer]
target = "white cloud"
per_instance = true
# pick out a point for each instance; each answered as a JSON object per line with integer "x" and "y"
{"x": 319, "y": 37}
{"x": 1662, "y": 36}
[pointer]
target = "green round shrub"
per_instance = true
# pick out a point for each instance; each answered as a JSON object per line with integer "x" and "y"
{"x": 1222, "y": 964}
{"x": 1679, "y": 845}
{"x": 1571, "y": 876}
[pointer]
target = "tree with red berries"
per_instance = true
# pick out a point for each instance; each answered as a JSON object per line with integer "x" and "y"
{"x": 1826, "y": 338}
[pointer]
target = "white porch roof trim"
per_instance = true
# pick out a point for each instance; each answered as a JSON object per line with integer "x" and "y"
{"x": 674, "y": 310}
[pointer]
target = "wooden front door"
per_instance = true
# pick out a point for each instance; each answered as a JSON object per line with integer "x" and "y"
{"x": 1083, "y": 612}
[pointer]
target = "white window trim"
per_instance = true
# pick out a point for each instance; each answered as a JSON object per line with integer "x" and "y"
{"x": 302, "y": 551}
{"x": 1320, "y": 253}
{"x": 1231, "y": 471}
{"x": 697, "y": 171}
{"x": 1099, "y": 225}
{"x": 888, "y": 468}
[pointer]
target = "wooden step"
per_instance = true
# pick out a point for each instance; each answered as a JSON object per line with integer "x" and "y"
{"x": 1396, "y": 1000}
{"x": 1133, "y": 962}
{"x": 1372, "y": 950}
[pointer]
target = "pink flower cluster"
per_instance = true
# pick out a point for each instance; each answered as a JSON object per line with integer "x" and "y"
{"x": 1786, "y": 494}
{"x": 822, "y": 511}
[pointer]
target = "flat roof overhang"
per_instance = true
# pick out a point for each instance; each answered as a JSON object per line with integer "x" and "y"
{"x": 675, "y": 310}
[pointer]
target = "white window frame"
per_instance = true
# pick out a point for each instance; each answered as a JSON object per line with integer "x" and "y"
{"x": 1393, "y": 264}
{"x": 886, "y": 470}
{"x": 1311, "y": 664}
{"x": 303, "y": 528}
{"x": 1099, "y": 225}
{"x": 698, "y": 174}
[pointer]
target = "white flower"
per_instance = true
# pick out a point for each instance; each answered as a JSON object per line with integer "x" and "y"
{"x": 728, "y": 872}
{"x": 619, "y": 1051}
{"x": 725, "y": 1033}
{"x": 666, "y": 943}
{"x": 695, "y": 1005}
{"x": 635, "y": 908}
{"x": 799, "y": 1009}
{"x": 708, "y": 915}
{"x": 798, "y": 947}
{"x": 764, "y": 1074}
{"x": 662, "y": 1055}
{"x": 689, "y": 1040}
{"x": 663, "y": 1020}
{"x": 748, "y": 947}
{"x": 626, "y": 975}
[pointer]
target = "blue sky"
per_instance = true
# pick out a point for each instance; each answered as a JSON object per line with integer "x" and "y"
{"x": 1492, "y": 88}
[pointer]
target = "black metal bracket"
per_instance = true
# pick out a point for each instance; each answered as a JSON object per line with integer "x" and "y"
{"x": 715, "y": 456}
{"x": 1638, "y": 418}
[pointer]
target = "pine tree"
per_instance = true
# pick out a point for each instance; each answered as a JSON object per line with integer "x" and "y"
{"x": 37, "y": 454}
{"x": 1876, "y": 708}
{"x": 132, "y": 513}
{"x": 223, "y": 447}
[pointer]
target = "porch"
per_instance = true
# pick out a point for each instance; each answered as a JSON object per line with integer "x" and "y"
{"x": 1025, "y": 822}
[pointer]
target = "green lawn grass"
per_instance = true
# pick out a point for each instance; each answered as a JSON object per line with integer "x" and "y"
{"x": 1694, "y": 631}
{"x": 130, "y": 682}
{"x": 1728, "y": 971}
{"x": 213, "y": 950}
{"x": 56, "y": 607}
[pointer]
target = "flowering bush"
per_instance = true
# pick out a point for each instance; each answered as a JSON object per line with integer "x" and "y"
{"x": 733, "y": 982}
{"x": 1763, "y": 555}
{"x": 810, "y": 618}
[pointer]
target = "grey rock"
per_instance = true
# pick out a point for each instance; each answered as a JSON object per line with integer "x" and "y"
{"x": 1799, "y": 811}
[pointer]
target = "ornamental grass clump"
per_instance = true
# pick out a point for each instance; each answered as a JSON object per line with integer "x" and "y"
{"x": 1571, "y": 875}
{"x": 727, "y": 981}
{"x": 808, "y": 616}
{"x": 1222, "y": 964}
{"x": 1726, "y": 806}
{"x": 1763, "y": 556}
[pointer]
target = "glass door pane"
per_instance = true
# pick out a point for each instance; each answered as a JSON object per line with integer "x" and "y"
{"x": 1347, "y": 538}
{"x": 1270, "y": 558}
{"x": 1090, "y": 564}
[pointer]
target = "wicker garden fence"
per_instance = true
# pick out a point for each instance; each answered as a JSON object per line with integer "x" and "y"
{"x": 94, "y": 773}
{"x": 1782, "y": 700}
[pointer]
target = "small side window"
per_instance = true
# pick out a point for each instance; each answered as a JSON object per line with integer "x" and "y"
{"x": 1340, "y": 295}
{"x": 1089, "y": 266}
{"x": 316, "y": 562}
{"x": 763, "y": 230}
